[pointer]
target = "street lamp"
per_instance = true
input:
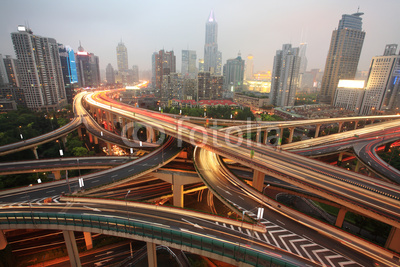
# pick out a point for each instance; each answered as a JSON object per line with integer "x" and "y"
{"x": 265, "y": 188}
{"x": 20, "y": 134}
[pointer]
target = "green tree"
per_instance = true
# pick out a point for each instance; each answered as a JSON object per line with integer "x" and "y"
{"x": 79, "y": 151}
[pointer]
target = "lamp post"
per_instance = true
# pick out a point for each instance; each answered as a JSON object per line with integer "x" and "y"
{"x": 265, "y": 188}
{"x": 20, "y": 134}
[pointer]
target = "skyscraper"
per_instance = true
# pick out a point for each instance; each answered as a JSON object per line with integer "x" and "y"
{"x": 383, "y": 82}
{"x": 110, "y": 74}
{"x": 88, "y": 68}
{"x": 40, "y": 70}
{"x": 164, "y": 63}
{"x": 249, "y": 67}
{"x": 212, "y": 57}
{"x": 68, "y": 66}
{"x": 122, "y": 57}
{"x": 343, "y": 56}
{"x": 188, "y": 68}
{"x": 234, "y": 74}
{"x": 285, "y": 76}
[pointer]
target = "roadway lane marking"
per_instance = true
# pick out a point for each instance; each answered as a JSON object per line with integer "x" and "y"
{"x": 94, "y": 209}
{"x": 114, "y": 176}
{"x": 95, "y": 181}
{"x": 280, "y": 222}
{"x": 194, "y": 224}
{"x": 104, "y": 254}
{"x": 130, "y": 170}
{"x": 308, "y": 238}
{"x": 50, "y": 191}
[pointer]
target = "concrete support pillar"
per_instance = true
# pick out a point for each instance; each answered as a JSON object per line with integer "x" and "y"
{"x": 151, "y": 254}
{"x": 131, "y": 130}
{"x": 80, "y": 132}
{"x": 340, "y": 127}
{"x": 357, "y": 166}
{"x": 393, "y": 241}
{"x": 109, "y": 121}
{"x": 72, "y": 249}
{"x": 339, "y": 161}
{"x": 258, "y": 180}
{"x": 109, "y": 148}
{"x": 355, "y": 125}
{"x": 3, "y": 240}
{"x": 317, "y": 127}
{"x": 340, "y": 217}
{"x": 265, "y": 138}
{"x": 96, "y": 140}
{"x": 280, "y": 136}
{"x": 88, "y": 240}
{"x": 57, "y": 175}
{"x": 34, "y": 149}
{"x": 150, "y": 134}
{"x": 177, "y": 190}
{"x": 90, "y": 137}
{"x": 291, "y": 129}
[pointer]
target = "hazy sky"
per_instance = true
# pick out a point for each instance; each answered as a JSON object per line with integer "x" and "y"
{"x": 253, "y": 27}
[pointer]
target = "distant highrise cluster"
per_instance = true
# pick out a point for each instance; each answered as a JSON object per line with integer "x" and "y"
{"x": 343, "y": 56}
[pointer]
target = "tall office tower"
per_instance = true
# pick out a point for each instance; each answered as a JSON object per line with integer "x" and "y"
{"x": 383, "y": 83}
{"x": 303, "y": 58}
{"x": 122, "y": 57}
{"x": 203, "y": 85}
{"x": 285, "y": 76}
{"x": 135, "y": 73}
{"x": 39, "y": 69}
{"x": 154, "y": 57}
{"x": 3, "y": 72}
{"x": 88, "y": 68}
{"x": 188, "y": 68}
{"x": 110, "y": 74}
{"x": 11, "y": 65}
{"x": 211, "y": 54}
{"x": 68, "y": 66}
{"x": 201, "y": 65}
{"x": 164, "y": 64}
{"x": 249, "y": 68}
{"x": 234, "y": 74}
{"x": 343, "y": 56}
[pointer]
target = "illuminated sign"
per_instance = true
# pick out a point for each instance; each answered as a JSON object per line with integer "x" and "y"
{"x": 21, "y": 29}
{"x": 358, "y": 84}
{"x": 82, "y": 53}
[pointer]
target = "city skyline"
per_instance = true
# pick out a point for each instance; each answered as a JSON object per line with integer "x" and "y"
{"x": 250, "y": 28}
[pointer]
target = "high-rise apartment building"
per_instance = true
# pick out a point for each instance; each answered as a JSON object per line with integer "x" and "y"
{"x": 88, "y": 68}
{"x": 39, "y": 70}
{"x": 285, "y": 76}
{"x": 249, "y": 68}
{"x": 212, "y": 57}
{"x": 188, "y": 68}
{"x": 135, "y": 73}
{"x": 343, "y": 56}
{"x": 122, "y": 57}
{"x": 11, "y": 65}
{"x": 234, "y": 74}
{"x": 3, "y": 72}
{"x": 201, "y": 65}
{"x": 110, "y": 74}
{"x": 164, "y": 63}
{"x": 383, "y": 81}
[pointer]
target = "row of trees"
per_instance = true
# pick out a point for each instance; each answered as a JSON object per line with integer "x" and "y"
{"x": 218, "y": 112}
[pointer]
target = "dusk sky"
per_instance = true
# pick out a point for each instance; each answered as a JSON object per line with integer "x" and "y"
{"x": 253, "y": 27}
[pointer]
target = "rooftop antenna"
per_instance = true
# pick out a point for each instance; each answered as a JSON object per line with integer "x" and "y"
{"x": 358, "y": 9}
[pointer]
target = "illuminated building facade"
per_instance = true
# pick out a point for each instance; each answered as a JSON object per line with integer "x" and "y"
{"x": 88, "y": 69}
{"x": 163, "y": 64}
{"x": 68, "y": 66}
{"x": 343, "y": 56}
{"x": 234, "y": 75}
{"x": 349, "y": 95}
{"x": 382, "y": 89}
{"x": 39, "y": 67}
